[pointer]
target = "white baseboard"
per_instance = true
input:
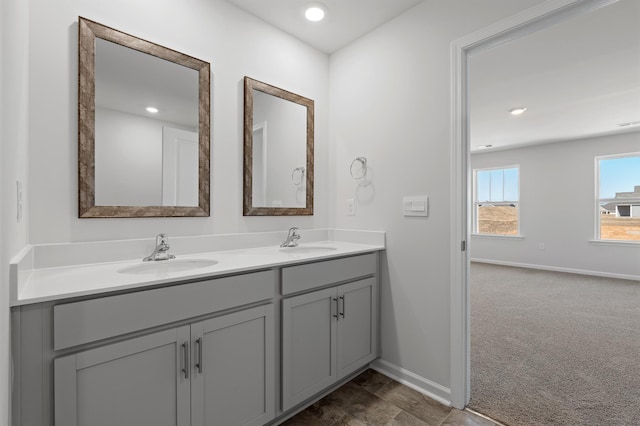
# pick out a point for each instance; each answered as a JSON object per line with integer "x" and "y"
{"x": 559, "y": 269}
{"x": 415, "y": 382}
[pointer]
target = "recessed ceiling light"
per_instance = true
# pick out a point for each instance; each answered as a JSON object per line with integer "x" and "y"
{"x": 517, "y": 111}
{"x": 315, "y": 11}
{"x": 152, "y": 110}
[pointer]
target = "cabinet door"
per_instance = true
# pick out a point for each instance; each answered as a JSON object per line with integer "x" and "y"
{"x": 137, "y": 382}
{"x": 233, "y": 369}
{"x": 308, "y": 344}
{"x": 356, "y": 340}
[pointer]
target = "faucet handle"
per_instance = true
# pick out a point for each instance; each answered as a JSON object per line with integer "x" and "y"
{"x": 292, "y": 238}
{"x": 161, "y": 251}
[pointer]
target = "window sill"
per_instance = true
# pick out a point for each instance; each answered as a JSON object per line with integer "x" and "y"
{"x": 618, "y": 243}
{"x": 498, "y": 236}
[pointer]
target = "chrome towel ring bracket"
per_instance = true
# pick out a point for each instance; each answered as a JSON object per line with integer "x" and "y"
{"x": 358, "y": 168}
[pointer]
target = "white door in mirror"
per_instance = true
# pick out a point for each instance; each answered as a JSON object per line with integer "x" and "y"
{"x": 179, "y": 167}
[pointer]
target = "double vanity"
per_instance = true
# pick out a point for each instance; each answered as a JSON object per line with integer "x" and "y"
{"x": 238, "y": 337}
{"x": 209, "y": 330}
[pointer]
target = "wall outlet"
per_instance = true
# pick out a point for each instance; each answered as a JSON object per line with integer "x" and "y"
{"x": 541, "y": 246}
{"x": 351, "y": 207}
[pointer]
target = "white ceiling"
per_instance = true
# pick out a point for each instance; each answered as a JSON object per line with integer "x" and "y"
{"x": 128, "y": 80}
{"x": 346, "y": 20}
{"x": 577, "y": 79}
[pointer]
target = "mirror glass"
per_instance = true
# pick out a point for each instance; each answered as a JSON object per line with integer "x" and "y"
{"x": 143, "y": 127}
{"x": 278, "y": 150}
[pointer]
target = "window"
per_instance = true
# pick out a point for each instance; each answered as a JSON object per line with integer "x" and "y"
{"x": 618, "y": 197}
{"x": 496, "y": 201}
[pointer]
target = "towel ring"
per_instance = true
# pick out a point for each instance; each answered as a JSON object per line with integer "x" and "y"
{"x": 363, "y": 168}
{"x": 297, "y": 176}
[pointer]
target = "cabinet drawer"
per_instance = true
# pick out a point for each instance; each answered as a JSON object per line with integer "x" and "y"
{"x": 312, "y": 275}
{"x": 91, "y": 320}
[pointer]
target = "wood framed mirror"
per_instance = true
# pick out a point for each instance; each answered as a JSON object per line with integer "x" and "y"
{"x": 143, "y": 127}
{"x": 278, "y": 151}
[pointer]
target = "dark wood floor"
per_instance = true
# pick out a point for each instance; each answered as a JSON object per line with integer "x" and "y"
{"x": 374, "y": 399}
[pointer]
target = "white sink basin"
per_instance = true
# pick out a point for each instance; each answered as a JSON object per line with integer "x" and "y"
{"x": 166, "y": 266}
{"x": 307, "y": 249}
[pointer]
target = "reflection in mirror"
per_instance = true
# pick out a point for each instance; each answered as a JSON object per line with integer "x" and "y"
{"x": 259, "y": 165}
{"x": 155, "y": 153}
{"x": 278, "y": 186}
{"x": 278, "y": 150}
{"x": 143, "y": 127}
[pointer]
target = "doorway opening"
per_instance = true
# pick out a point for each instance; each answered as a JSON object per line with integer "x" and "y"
{"x": 542, "y": 16}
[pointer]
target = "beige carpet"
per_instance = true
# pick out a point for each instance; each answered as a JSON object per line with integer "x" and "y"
{"x": 552, "y": 348}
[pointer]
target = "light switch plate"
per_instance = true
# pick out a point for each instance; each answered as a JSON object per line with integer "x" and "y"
{"x": 415, "y": 205}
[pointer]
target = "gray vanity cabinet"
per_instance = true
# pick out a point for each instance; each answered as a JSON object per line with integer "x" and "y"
{"x": 356, "y": 326}
{"x": 197, "y": 353}
{"x": 308, "y": 345}
{"x": 130, "y": 383}
{"x": 214, "y": 372}
{"x": 329, "y": 333}
{"x": 233, "y": 376}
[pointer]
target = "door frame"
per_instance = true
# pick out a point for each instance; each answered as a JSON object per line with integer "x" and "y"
{"x": 543, "y": 15}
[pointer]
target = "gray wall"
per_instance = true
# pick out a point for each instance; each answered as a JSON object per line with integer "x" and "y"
{"x": 13, "y": 234}
{"x": 39, "y": 142}
{"x": 4, "y": 290}
{"x": 557, "y": 208}
{"x": 390, "y": 102}
{"x": 234, "y": 42}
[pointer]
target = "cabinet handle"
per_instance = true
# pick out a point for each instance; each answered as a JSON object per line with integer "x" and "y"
{"x": 199, "y": 363}
{"x": 337, "y": 308}
{"x": 343, "y": 304}
{"x": 185, "y": 359}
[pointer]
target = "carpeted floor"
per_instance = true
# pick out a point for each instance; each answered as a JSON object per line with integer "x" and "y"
{"x": 553, "y": 348}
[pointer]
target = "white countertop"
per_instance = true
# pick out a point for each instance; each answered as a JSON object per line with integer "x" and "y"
{"x": 56, "y": 283}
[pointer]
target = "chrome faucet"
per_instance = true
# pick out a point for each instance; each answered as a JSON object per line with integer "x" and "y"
{"x": 292, "y": 238}
{"x": 161, "y": 252}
